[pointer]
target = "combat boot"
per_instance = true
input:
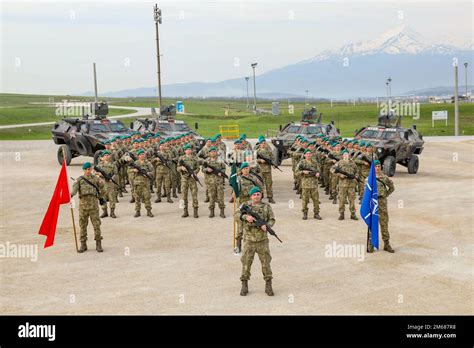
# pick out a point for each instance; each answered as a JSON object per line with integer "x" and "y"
{"x": 211, "y": 212}
{"x": 174, "y": 194}
{"x": 196, "y": 213}
{"x": 151, "y": 189}
{"x": 334, "y": 200}
{"x": 83, "y": 247}
{"x": 294, "y": 186}
{"x": 317, "y": 216}
{"x": 206, "y": 200}
{"x": 98, "y": 246}
{"x": 270, "y": 200}
{"x": 222, "y": 215}
{"x": 164, "y": 194}
{"x": 370, "y": 248}
{"x": 326, "y": 190}
{"x": 268, "y": 287}
{"x": 341, "y": 216}
{"x": 169, "y": 200}
{"x": 354, "y": 216}
{"x": 387, "y": 247}
{"x": 158, "y": 200}
{"x": 185, "y": 212}
{"x": 245, "y": 288}
{"x": 112, "y": 213}
{"x": 137, "y": 213}
{"x": 120, "y": 194}
{"x": 104, "y": 213}
{"x": 305, "y": 215}
{"x": 149, "y": 213}
{"x": 132, "y": 200}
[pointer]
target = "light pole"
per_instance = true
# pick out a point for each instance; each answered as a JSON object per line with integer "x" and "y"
{"x": 386, "y": 83}
{"x": 306, "y": 97}
{"x": 389, "y": 89}
{"x": 456, "y": 101}
{"x": 247, "y": 80}
{"x": 465, "y": 66}
{"x": 254, "y": 88}
{"x": 157, "y": 16}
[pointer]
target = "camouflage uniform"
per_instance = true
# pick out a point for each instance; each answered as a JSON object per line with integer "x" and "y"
{"x": 384, "y": 189}
{"x": 141, "y": 186}
{"x": 175, "y": 173}
{"x": 347, "y": 186}
{"x": 187, "y": 182}
{"x": 109, "y": 187}
{"x": 88, "y": 204}
{"x": 266, "y": 170}
{"x": 131, "y": 174}
{"x": 163, "y": 176}
{"x": 256, "y": 241}
{"x": 215, "y": 185}
{"x": 333, "y": 178}
{"x": 309, "y": 185}
{"x": 364, "y": 169}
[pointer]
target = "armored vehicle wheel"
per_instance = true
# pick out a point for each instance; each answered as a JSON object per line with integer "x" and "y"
{"x": 83, "y": 146}
{"x": 389, "y": 166}
{"x": 67, "y": 152}
{"x": 413, "y": 164}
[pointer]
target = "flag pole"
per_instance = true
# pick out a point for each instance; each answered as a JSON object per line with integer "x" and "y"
{"x": 72, "y": 211}
{"x": 368, "y": 228}
{"x": 233, "y": 217}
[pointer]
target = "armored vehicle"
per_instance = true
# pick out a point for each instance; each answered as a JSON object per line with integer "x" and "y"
{"x": 394, "y": 143}
{"x": 309, "y": 127}
{"x": 84, "y": 136}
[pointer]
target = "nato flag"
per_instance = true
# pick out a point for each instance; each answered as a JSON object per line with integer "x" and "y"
{"x": 369, "y": 209}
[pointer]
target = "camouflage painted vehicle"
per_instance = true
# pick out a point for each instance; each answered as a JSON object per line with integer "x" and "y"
{"x": 85, "y": 136}
{"x": 165, "y": 123}
{"x": 309, "y": 127}
{"x": 394, "y": 144}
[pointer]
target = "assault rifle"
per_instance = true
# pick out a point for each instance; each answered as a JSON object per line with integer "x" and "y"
{"x": 245, "y": 209}
{"x": 268, "y": 161}
{"x": 140, "y": 171}
{"x": 106, "y": 176}
{"x": 190, "y": 171}
{"x": 215, "y": 171}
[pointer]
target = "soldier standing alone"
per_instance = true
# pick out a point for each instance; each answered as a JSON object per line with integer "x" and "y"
{"x": 385, "y": 188}
{"x": 90, "y": 189}
{"x": 255, "y": 241}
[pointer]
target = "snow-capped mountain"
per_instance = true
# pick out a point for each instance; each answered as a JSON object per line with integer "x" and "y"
{"x": 357, "y": 69}
{"x": 400, "y": 40}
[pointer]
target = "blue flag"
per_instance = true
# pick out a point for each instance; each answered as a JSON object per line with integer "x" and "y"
{"x": 369, "y": 209}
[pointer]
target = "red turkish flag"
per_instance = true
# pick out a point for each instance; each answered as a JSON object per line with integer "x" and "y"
{"x": 60, "y": 196}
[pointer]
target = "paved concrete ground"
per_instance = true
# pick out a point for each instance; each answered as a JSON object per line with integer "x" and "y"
{"x": 170, "y": 265}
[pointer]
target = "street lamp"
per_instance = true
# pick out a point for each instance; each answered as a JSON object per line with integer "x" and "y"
{"x": 306, "y": 97}
{"x": 157, "y": 16}
{"x": 465, "y": 66}
{"x": 389, "y": 80}
{"x": 247, "y": 80}
{"x": 254, "y": 88}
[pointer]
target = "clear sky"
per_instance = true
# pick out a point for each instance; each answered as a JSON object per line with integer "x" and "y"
{"x": 47, "y": 47}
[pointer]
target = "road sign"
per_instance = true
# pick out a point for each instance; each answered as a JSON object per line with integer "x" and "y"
{"x": 438, "y": 116}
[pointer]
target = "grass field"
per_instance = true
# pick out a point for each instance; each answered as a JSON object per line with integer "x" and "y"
{"x": 209, "y": 114}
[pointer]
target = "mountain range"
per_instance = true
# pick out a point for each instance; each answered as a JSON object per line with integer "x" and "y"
{"x": 358, "y": 69}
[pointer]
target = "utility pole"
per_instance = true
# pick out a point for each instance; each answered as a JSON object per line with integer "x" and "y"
{"x": 95, "y": 84}
{"x": 254, "y": 88}
{"x": 247, "y": 80}
{"x": 306, "y": 97}
{"x": 389, "y": 89}
{"x": 465, "y": 66}
{"x": 157, "y": 16}
{"x": 456, "y": 101}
